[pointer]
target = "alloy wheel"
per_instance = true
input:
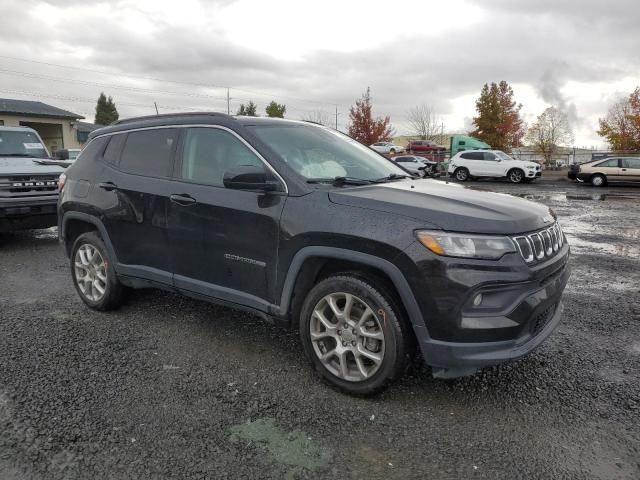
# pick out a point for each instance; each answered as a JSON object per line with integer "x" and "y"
{"x": 90, "y": 272}
{"x": 516, "y": 176}
{"x": 347, "y": 337}
{"x": 461, "y": 175}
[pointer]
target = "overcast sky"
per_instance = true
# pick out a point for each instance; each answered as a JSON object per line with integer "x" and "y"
{"x": 580, "y": 55}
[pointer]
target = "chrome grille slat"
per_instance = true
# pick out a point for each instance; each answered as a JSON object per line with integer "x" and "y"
{"x": 539, "y": 245}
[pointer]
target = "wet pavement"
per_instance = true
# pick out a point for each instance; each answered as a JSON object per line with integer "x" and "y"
{"x": 169, "y": 387}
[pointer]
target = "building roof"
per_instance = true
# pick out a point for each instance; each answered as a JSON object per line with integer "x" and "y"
{"x": 29, "y": 108}
{"x": 87, "y": 127}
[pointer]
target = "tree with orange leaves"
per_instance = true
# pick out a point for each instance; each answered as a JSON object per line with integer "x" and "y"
{"x": 364, "y": 127}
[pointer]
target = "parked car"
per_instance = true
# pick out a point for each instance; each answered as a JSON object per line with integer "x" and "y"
{"x": 304, "y": 226}
{"x": 387, "y": 148}
{"x": 473, "y": 164}
{"x": 28, "y": 189}
{"x": 412, "y": 163}
{"x": 424, "y": 146}
{"x": 611, "y": 170}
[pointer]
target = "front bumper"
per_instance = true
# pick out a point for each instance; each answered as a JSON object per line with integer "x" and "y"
{"x": 521, "y": 306}
{"x": 28, "y": 213}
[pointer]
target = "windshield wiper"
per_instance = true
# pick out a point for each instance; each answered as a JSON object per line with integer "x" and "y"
{"x": 16, "y": 155}
{"x": 339, "y": 181}
{"x": 393, "y": 176}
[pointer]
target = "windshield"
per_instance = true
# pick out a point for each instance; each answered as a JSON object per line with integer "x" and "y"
{"x": 502, "y": 155}
{"x": 317, "y": 152}
{"x": 21, "y": 144}
{"x": 73, "y": 154}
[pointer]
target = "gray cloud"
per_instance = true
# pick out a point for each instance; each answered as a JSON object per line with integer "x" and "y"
{"x": 544, "y": 44}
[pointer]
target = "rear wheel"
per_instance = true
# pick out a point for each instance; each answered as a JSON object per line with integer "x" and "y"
{"x": 598, "y": 180}
{"x": 462, "y": 174}
{"x": 515, "y": 175}
{"x": 354, "y": 335}
{"x": 93, "y": 274}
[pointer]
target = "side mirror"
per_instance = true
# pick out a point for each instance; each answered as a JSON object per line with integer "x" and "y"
{"x": 249, "y": 178}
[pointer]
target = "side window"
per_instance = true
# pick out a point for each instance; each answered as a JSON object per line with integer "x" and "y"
{"x": 631, "y": 163}
{"x": 209, "y": 152}
{"x": 488, "y": 156}
{"x": 149, "y": 152}
{"x": 468, "y": 156}
{"x": 93, "y": 149}
{"x": 612, "y": 162}
{"x": 112, "y": 152}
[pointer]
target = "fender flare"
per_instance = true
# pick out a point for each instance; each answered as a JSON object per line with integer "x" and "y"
{"x": 85, "y": 217}
{"x": 392, "y": 271}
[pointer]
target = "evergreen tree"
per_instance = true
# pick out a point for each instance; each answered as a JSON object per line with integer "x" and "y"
{"x": 276, "y": 110}
{"x": 106, "y": 111}
{"x": 247, "y": 111}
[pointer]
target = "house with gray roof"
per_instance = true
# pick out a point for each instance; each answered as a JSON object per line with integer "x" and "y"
{"x": 58, "y": 128}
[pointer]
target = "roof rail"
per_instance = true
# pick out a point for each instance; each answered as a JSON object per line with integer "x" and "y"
{"x": 166, "y": 115}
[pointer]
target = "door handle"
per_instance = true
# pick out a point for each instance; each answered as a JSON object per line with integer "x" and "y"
{"x": 108, "y": 186}
{"x": 624, "y": 169}
{"x": 182, "y": 199}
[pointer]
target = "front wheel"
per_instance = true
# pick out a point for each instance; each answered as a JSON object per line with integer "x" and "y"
{"x": 598, "y": 180}
{"x": 392, "y": 151}
{"x": 354, "y": 335}
{"x": 516, "y": 175}
{"x": 462, "y": 174}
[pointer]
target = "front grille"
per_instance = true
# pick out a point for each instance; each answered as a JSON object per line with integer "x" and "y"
{"x": 537, "y": 246}
{"x": 29, "y": 184}
{"x": 541, "y": 320}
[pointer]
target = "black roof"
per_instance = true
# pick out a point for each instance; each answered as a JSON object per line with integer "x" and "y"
{"x": 29, "y": 108}
{"x": 205, "y": 118}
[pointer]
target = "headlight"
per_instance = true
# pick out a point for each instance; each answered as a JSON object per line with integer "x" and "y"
{"x": 465, "y": 245}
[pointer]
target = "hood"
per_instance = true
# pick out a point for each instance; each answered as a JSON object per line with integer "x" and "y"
{"x": 26, "y": 166}
{"x": 450, "y": 207}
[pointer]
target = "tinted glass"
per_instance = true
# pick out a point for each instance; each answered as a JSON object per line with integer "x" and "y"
{"x": 612, "y": 162}
{"x": 112, "y": 152}
{"x": 209, "y": 152}
{"x": 149, "y": 152}
{"x": 93, "y": 149}
{"x": 473, "y": 156}
{"x": 631, "y": 163}
{"x": 489, "y": 156}
{"x": 319, "y": 153}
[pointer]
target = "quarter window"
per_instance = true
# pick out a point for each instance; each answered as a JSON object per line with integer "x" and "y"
{"x": 209, "y": 152}
{"x": 112, "y": 152}
{"x": 149, "y": 152}
{"x": 94, "y": 148}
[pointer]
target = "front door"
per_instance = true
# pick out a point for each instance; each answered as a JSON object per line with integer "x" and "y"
{"x": 610, "y": 168}
{"x": 224, "y": 242}
{"x": 493, "y": 166}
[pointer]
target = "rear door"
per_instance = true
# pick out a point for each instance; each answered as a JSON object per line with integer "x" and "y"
{"x": 224, "y": 242}
{"x": 138, "y": 188}
{"x": 474, "y": 161}
{"x": 630, "y": 170}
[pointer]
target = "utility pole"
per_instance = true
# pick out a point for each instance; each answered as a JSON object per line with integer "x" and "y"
{"x": 336, "y": 117}
{"x": 228, "y": 104}
{"x": 156, "y": 105}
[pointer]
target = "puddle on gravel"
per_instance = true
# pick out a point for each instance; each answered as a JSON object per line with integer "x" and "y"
{"x": 294, "y": 449}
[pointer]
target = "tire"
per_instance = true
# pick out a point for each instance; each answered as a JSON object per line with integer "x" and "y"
{"x": 362, "y": 365}
{"x": 516, "y": 175}
{"x": 598, "y": 180}
{"x": 97, "y": 268}
{"x": 392, "y": 151}
{"x": 461, "y": 174}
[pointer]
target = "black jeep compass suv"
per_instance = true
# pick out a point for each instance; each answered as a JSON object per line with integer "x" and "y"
{"x": 302, "y": 225}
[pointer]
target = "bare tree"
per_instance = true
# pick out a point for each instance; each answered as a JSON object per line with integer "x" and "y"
{"x": 550, "y": 130}
{"x": 319, "y": 116}
{"x": 424, "y": 122}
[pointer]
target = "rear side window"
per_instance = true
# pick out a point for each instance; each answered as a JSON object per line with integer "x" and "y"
{"x": 94, "y": 149}
{"x": 112, "y": 152}
{"x": 473, "y": 156}
{"x": 149, "y": 152}
{"x": 631, "y": 163}
{"x": 612, "y": 162}
{"x": 210, "y": 152}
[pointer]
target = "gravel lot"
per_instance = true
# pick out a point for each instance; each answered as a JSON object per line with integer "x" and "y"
{"x": 172, "y": 387}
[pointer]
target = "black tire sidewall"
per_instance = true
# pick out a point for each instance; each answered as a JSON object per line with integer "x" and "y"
{"x": 516, "y": 170}
{"x": 113, "y": 288}
{"x": 604, "y": 180}
{"x": 395, "y": 338}
{"x": 462, "y": 169}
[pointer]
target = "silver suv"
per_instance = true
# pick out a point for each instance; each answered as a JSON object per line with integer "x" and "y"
{"x": 28, "y": 187}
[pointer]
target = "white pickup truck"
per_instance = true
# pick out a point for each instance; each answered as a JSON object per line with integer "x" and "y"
{"x": 28, "y": 185}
